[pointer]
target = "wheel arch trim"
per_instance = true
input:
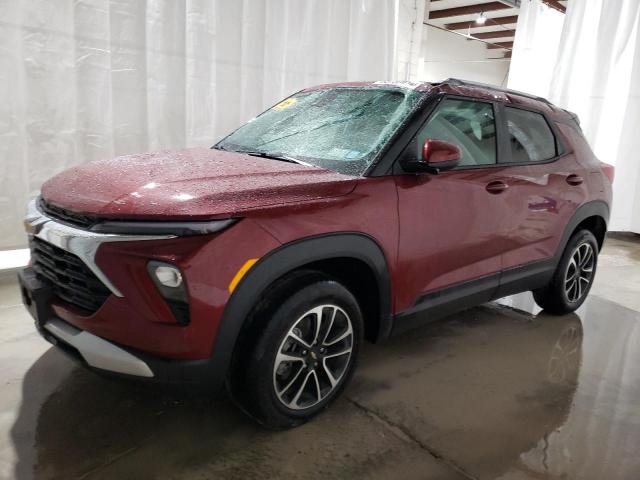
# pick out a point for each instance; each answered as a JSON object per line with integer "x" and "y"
{"x": 594, "y": 208}
{"x": 292, "y": 256}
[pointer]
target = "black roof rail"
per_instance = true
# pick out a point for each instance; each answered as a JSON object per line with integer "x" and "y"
{"x": 457, "y": 81}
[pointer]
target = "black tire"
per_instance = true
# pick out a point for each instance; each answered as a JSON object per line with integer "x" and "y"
{"x": 555, "y": 298}
{"x": 256, "y": 376}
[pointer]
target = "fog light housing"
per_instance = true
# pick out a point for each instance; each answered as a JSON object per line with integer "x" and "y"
{"x": 168, "y": 279}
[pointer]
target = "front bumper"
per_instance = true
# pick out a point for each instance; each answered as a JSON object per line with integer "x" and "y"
{"x": 97, "y": 352}
{"x": 134, "y": 318}
{"x": 104, "y": 356}
{"x": 101, "y": 283}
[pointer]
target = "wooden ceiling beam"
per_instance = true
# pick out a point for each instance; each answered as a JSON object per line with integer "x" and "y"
{"x": 554, "y": 4}
{"x": 495, "y": 34}
{"x": 467, "y": 10}
{"x": 500, "y": 45}
{"x": 490, "y": 22}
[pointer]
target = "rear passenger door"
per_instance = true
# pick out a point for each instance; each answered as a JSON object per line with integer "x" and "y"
{"x": 542, "y": 186}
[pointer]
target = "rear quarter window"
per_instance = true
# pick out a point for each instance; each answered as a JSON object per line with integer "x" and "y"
{"x": 530, "y": 137}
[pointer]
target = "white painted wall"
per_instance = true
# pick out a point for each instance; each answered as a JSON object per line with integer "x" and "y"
{"x": 447, "y": 55}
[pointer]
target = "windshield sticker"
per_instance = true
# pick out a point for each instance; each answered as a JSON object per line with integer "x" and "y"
{"x": 286, "y": 103}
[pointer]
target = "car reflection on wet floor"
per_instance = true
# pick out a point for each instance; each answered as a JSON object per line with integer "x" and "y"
{"x": 505, "y": 393}
{"x": 493, "y": 392}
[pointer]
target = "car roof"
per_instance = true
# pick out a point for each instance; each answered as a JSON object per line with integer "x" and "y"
{"x": 455, "y": 86}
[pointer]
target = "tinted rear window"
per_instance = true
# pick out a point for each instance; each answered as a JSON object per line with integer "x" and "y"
{"x": 530, "y": 136}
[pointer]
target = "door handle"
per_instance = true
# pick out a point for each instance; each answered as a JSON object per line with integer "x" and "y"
{"x": 574, "y": 179}
{"x": 496, "y": 187}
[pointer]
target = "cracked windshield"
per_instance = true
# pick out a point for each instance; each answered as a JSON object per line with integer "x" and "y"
{"x": 340, "y": 129}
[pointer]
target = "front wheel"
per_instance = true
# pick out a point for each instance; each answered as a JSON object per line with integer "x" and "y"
{"x": 304, "y": 354}
{"x": 573, "y": 277}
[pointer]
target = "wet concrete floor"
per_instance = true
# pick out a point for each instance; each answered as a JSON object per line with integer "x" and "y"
{"x": 499, "y": 391}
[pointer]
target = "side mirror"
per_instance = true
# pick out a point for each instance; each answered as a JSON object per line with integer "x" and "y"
{"x": 437, "y": 156}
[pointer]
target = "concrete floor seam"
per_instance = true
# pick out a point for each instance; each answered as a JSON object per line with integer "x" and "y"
{"x": 406, "y": 435}
{"x": 105, "y": 465}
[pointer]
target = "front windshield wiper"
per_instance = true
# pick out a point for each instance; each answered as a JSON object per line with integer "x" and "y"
{"x": 274, "y": 156}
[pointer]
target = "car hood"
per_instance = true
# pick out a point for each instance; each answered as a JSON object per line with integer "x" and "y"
{"x": 198, "y": 183}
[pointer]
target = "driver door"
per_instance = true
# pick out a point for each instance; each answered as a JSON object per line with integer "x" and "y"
{"x": 450, "y": 244}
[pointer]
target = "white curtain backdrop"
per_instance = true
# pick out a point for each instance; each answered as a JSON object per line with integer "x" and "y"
{"x": 535, "y": 47}
{"x": 596, "y": 75}
{"x": 88, "y": 79}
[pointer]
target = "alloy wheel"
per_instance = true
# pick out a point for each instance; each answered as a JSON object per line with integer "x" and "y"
{"x": 313, "y": 357}
{"x": 579, "y": 272}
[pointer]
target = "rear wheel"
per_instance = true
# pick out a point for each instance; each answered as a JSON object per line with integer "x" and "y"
{"x": 574, "y": 276}
{"x": 303, "y": 354}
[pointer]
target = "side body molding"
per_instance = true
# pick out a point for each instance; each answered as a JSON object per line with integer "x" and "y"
{"x": 291, "y": 256}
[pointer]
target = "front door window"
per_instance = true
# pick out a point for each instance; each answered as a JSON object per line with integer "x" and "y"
{"x": 468, "y": 124}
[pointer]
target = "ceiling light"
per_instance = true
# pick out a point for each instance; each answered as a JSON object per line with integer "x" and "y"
{"x": 481, "y": 19}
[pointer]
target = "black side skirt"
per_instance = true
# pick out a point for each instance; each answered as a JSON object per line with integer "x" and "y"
{"x": 438, "y": 304}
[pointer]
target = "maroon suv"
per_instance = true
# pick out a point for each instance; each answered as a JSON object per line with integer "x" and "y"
{"x": 345, "y": 212}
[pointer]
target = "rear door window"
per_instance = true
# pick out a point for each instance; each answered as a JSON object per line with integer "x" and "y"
{"x": 530, "y": 137}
